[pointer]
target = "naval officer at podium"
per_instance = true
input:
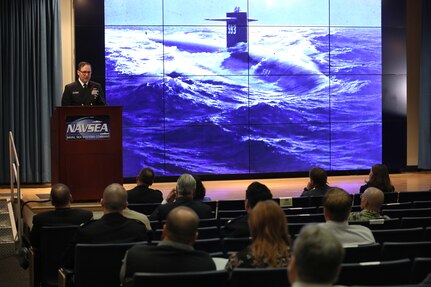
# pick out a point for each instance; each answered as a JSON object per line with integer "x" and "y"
{"x": 83, "y": 92}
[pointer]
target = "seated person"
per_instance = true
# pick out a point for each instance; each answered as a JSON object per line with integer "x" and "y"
{"x": 270, "y": 239}
{"x": 184, "y": 191}
{"x": 239, "y": 227}
{"x": 112, "y": 227}
{"x": 371, "y": 203}
{"x": 317, "y": 186}
{"x": 175, "y": 253}
{"x": 200, "y": 192}
{"x": 378, "y": 177}
{"x": 142, "y": 193}
{"x": 337, "y": 204}
{"x": 316, "y": 259}
{"x": 63, "y": 214}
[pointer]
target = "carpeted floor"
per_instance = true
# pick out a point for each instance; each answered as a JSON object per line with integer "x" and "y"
{"x": 11, "y": 274}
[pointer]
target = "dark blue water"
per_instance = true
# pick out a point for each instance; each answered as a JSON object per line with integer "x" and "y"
{"x": 304, "y": 97}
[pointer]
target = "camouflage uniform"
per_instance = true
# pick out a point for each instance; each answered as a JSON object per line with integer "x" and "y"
{"x": 366, "y": 215}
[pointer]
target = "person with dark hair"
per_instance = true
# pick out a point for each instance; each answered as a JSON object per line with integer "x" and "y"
{"x": 184, "y": 192}
{"x": 83, "y": 92}
{"x": 337, "y": 204}
{"x": 200, "y": 192}
{"x": 371, "y": 204}
{"x": 379, "y": 178}
{"x": 142, "y": 193}
{"x": 270, "y": 239}
{"x": 112, "y": 227}
{"x": 175, "y": 253}
{"x": 316, "y": 259}
{"x": 238, "y": 227}
{"x": 63, "y": 214}
{"x": 318, "y": 185}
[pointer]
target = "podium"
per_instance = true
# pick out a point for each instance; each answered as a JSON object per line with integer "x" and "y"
{"x": 86, "y": 149}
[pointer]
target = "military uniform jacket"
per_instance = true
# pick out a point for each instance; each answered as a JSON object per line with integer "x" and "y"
{"x": 110, "y": 228}
{"x": 75, "y": 95}
{"x": 60, "y": 216}
{"x": 366, "y": 215}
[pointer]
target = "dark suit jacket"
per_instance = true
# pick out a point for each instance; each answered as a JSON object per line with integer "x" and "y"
{"x": 111, "y": 228}
{"x": 75, "y": 95}
{"x": 203, "y": 210}
{"x": 61, "y": 216}
{"x": 317, "y": 191}
{"x": 237, "y": 227}
{"x": 144, "y": 194}
{"x": 165, "y": 259}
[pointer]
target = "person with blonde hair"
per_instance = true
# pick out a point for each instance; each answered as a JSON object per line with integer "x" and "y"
{"x": 270, "y": 239}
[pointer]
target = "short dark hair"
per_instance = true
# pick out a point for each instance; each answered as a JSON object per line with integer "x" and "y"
{"x": 60, "y": 195}
{"x": 200, "y": 189}
{"x": 319, "y": 176}
{"x": 256, "y": 192}
{"x": 146, "y": 176}
{"x": 82, "y": 64}
{"x": 338, "y": 203}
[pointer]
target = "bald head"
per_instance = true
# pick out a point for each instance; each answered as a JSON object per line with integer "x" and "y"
{"x": 114, "y": 198}
{"x": 372, "y": 199}
{"x": 181, "y": 225}
{"x": 60, "y": 195}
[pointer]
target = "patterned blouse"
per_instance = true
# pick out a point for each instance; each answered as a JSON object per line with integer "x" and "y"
{"x": 245, "y": 259}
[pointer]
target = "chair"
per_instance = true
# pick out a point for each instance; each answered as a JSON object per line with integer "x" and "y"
{"x": 397, "y": 205}
{"x": 231, "y": 213}
{"x": 305, "y": 218}
{"x": 99, "y": 264}
{"x": 375, "y": 273}
{"x": 362, "y": 253}
{"x": 237, "y": 204}
{"x": 410, "y": 212}
{"x": 422, "y": 204}
{"x": 409, "y": 222}
{"x": 208, "y": 232}
{"x": 302, "y": 210}
{"x": 295, "y": 228}
{"x": 53, "y": 243}
{"x": 212, "y": 246}
{"x": 414, "y": 196}
{"x": 400, "y": 250}
{"x": 215, "y": 278}
{"x": 399, "y": 235}
{"x": 208, "y": 222}
{"x": 145, "y": 208}
{"x": 375, "y": 224}
{"x": 427, "y": 233}
{"x": 421, "y": 267}
{"x": 230, "y": 245}
{"x": 250, "y": 277}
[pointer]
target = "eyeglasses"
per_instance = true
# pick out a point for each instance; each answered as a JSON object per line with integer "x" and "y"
{"x": 85, "y": 72}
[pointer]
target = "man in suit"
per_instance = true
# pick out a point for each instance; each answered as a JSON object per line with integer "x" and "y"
{"x": 175, "y": 253}
{"x": 238, "y": 227}
{"x": 337, "y": 204}
{"x": 112, "y": 227}
{"x": 83, "y": 92}
{"x": 317, "y": 258}
{"x": 142, "y": 193}
{"x": 62, "y": 215}
{"x": 185, "y": 189}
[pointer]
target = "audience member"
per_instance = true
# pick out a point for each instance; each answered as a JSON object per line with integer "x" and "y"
{"x": 185, "y": 189}
{"x": 238, "y": 227}
{"x": 112, "y": 227}
{"x": 200, "y": 193}
{"x": 270, "y": 239}
{"x": 337, "y": 204}
{"x": 62, "y": 215}
{"x": 378, "y": 177}
{"x": 175, "y": 253}
{"x": 318, "y": 185}
{"x": 316, "y": 259}
{"x": 371, "y": 203}
{"x": 142, "y": 193}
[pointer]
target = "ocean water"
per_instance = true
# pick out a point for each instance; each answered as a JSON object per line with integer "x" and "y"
{"x": 300, "y": 97}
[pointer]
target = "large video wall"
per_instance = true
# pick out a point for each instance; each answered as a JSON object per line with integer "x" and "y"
{"x": 240, "y": 87}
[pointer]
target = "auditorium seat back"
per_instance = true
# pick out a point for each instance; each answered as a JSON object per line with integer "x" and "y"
{"x": 214, "y": 278}
{"x": 257, "y": 277}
